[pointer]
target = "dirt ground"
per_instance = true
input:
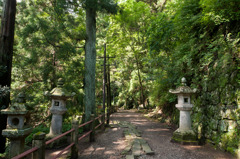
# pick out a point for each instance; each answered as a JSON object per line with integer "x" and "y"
{"x": 111, "y": 143}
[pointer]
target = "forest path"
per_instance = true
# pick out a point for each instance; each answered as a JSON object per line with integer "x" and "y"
{"x": 112, "y": 143}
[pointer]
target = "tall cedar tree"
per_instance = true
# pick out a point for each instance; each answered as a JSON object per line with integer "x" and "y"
{"x": 92, "y": 6}
{"x": 6, "y": 53}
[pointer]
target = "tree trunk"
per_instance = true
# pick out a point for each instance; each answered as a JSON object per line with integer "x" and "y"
{"x": 53, "y": 78}
{"x": 6, "y": 53}
{"x": 104, "y": 78}
{"x": 90, "y": 63}
{"x": 109, "y": 109}
{"x": 140, "y": 82}
{"x": 108, "y": 88}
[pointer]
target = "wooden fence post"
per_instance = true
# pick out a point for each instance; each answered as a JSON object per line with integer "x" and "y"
{"x": 39, "y": 141}
{"x": 92, "y": 127}
{"x": 74, "y": 139}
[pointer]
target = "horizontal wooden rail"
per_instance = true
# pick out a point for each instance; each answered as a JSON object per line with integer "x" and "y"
{"x": 98, "y": 117}
{"x": 85, "y": 123}
{"x": 86, "y": 134}
{"x": 59, "y": 136}
{"x": 98, "y": 125}
{"x": 65, "y": 149}
{"x": 25, "y": 153}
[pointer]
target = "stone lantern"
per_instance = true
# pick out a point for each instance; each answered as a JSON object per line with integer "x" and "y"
{"x": 59, "y": 96}
{"x": 184, "y": 134}
{"x": 17, "y": 125}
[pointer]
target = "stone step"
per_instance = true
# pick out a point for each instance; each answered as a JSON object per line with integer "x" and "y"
{"x": 147, "y": 149}
{"x": 142, "y": 141}
{"x": 129, "y": 157}
{"x": 136, "y": 148}
{"x": 135, "y": 131}
{"x": 127, "y": 149}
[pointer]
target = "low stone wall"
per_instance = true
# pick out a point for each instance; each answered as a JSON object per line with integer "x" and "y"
{"x": 222, "y": 127}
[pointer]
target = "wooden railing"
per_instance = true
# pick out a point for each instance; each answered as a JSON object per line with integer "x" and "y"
{"x": 38, "y": 150}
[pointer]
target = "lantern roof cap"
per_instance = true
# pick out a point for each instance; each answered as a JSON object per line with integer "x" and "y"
{"x": 17, "y": 107}
{"x": 183, "y": 89}
{"x": 59, "y": 91}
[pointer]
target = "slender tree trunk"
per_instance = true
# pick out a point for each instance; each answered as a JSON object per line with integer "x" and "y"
{"x": 108, "y": 88}
{"x": 53, "y": 78}
{"x": 108, "y": 94}
{"x": 90, "y": 63}
{"x": 104, "y": 78}
{"x": 6, "y": 53}
{"x": 140, "y": 82}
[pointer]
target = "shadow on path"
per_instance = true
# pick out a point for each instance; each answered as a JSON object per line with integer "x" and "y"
{"x": 111, "y": 143}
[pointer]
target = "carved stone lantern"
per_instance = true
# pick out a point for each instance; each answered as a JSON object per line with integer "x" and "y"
{"x": 17, "y": 125}
{"x": 59, "y": 96}
{"x": 184, "y": 134}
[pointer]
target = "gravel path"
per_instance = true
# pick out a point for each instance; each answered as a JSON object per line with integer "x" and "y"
{"x": 111, "y": 143}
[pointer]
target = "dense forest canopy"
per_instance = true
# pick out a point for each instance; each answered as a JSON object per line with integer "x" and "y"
{"x": 154, "y": 44}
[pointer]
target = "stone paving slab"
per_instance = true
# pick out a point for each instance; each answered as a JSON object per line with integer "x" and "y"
{"x": 136, "y": 148}
{"x": 127, "y": 149}
{"x": 129, "y": 157}
{"x": 136, "y": 144}
{"x": 147, "y": 149}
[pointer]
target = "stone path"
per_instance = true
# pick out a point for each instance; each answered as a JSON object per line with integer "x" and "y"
{"x": 136, "y": 144}
{"x": 134, "y": 136}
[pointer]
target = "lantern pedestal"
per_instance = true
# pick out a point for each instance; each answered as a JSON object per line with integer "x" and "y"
{"x": 17, "y": 140}
{"x": 184, "y": 134}
{"x": 185, "y": 137}
{"x": 56, "y": 128}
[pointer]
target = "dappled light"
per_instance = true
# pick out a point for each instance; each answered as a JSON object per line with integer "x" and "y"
{"x": 159, "y": 130}
{"x": 120, "y": 79}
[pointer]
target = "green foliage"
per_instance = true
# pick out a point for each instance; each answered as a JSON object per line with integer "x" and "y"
{"x": 4, "y": 91}
{"x": 108, "y": 6}
{"x": 40, "y": 128}
{"x": 127, "y": 42}
{"x": 49, "y": 44}
{"x": 200, "y": 41}
{"x": 45, "y": 129}
{"x": 196, "y": 39}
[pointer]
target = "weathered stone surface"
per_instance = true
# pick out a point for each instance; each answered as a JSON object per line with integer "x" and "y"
{"x": 147, "y": 149}
{"x": 16, "y": 133}
{"x": 15, "y": 121}
{"x": 129, "y": 157}
{"x": 127, "y": 149}
{"x": 16, "y": 147}
{"x": 136, "y": 144}
{"x": 59, "y": 96}
{"x": 39, "y": 136}
{"x": 214, "y": 124}
{"x": 17, "y": 128}
{"x": 136, "y": 148}
{"x": 223, "y": 126}
{"x": 185, "y": 138}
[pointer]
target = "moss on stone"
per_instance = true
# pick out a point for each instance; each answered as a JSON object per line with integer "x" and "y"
{"x": 185, "y": 138}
